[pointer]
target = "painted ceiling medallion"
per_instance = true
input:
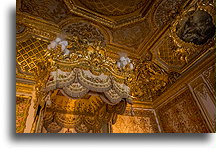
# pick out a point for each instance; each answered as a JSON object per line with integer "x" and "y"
{"x": 196, "y": 28}
{"x": 193, "y": 32}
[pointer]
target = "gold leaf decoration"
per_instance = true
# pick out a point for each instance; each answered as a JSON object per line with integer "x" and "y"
{"x": 28, "y": 51}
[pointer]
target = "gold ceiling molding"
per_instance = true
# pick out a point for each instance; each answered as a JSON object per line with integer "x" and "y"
{"x": 33, "y": 32}
{"x": 176, "y": 55}
{"x": 84, "y": 10}
{"x": 163, "y": 54}
{"x": 40, "y": 24}
{"x": 23, "y": 76}
{"x": 88, "y": 25}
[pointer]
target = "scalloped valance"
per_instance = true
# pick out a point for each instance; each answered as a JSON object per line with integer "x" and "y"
{"x": 78, "y": 83}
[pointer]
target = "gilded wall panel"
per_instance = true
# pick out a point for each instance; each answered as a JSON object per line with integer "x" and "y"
{"x": 205, "y": 98}
{"x": 182, "y": 115}
{"x": 22, "y": 107}
{"x": 143, "y": 121}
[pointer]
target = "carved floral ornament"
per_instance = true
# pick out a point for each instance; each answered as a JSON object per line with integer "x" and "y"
{"x": 194, "y": 30}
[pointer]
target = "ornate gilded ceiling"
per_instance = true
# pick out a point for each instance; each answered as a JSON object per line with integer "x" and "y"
{"x": 150, "y": 32}
{"x": 126, "y": 25}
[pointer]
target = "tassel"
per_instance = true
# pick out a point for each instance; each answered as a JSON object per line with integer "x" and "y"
{"x": 132, "y": 111}
{"x": 48, "y": 100}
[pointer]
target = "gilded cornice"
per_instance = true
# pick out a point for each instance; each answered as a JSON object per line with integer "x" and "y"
{"x": 22, "y": 88}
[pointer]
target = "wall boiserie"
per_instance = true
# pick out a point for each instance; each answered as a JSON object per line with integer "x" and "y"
{"x": 144, "y": 121}
{"x": 182, "y": 115}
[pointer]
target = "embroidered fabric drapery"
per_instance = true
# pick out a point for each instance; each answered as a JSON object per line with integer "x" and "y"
{"x": 78, "y": 82}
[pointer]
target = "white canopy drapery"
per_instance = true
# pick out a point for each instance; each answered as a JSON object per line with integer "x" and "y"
{"x": 78, "y": 82}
